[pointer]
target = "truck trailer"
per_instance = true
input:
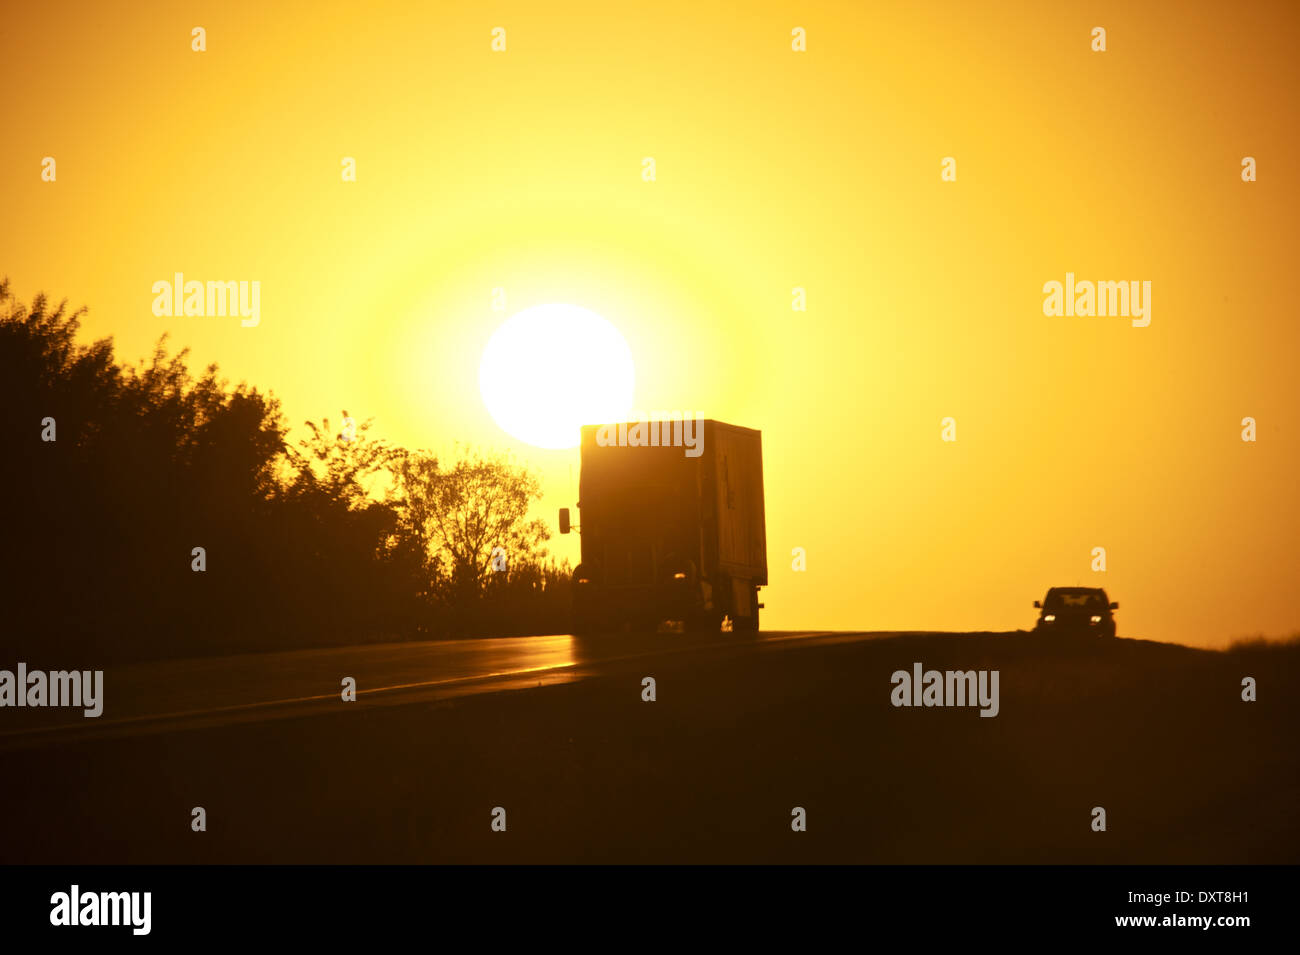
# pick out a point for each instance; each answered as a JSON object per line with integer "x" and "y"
{"x": 671, "y": 530}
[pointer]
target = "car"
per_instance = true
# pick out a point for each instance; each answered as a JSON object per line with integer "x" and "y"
{"x": 1071, "y": 611}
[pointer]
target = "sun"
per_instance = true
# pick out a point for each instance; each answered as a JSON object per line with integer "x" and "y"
{"x": 552, "y": 368}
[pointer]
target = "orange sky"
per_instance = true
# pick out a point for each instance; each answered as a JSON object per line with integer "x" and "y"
{"x": 775, "y": 169}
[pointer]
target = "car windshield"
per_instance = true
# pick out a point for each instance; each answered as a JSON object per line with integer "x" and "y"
{"x": 1076, "y": 602}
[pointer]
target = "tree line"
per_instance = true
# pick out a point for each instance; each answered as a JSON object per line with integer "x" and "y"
{"x": 155, "y": 512}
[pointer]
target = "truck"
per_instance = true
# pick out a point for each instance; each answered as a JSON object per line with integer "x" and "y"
{"x": 672, "y": 530}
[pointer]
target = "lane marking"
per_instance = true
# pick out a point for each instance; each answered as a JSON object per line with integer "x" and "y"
{"x": 288, "y": 701}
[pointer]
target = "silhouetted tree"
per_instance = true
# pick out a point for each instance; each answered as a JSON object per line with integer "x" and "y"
{"x": 149, "y": 462}
{"x": 465, "y": 513}
{"x": 485, "y": 554}
{"x": 343, "y": 467}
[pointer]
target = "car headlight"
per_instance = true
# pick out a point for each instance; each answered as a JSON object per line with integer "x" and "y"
{"x": 1049, "y": 618}
{"x": 1096, "y": 619}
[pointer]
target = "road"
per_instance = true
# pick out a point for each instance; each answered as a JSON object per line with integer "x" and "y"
{"x": 172, "y": 694}
{"x": 742, "y": 729}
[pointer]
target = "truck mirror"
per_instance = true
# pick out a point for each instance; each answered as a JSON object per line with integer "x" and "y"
{"x": 1038, "y": 604}
{"x": 1114, "y": 606}
{"x": 564, "y": 520}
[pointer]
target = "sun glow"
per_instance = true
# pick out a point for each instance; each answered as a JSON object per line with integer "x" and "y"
{"x": 552, "y": 368}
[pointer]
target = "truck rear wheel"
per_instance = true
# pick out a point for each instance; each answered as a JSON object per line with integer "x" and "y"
{"x": 746, "y": 618}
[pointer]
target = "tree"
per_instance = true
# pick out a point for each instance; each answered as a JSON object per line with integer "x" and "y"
{"x": 342, "y": 467}
{"x": 341, "y": 539}
{"x": 463, "y": 514}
